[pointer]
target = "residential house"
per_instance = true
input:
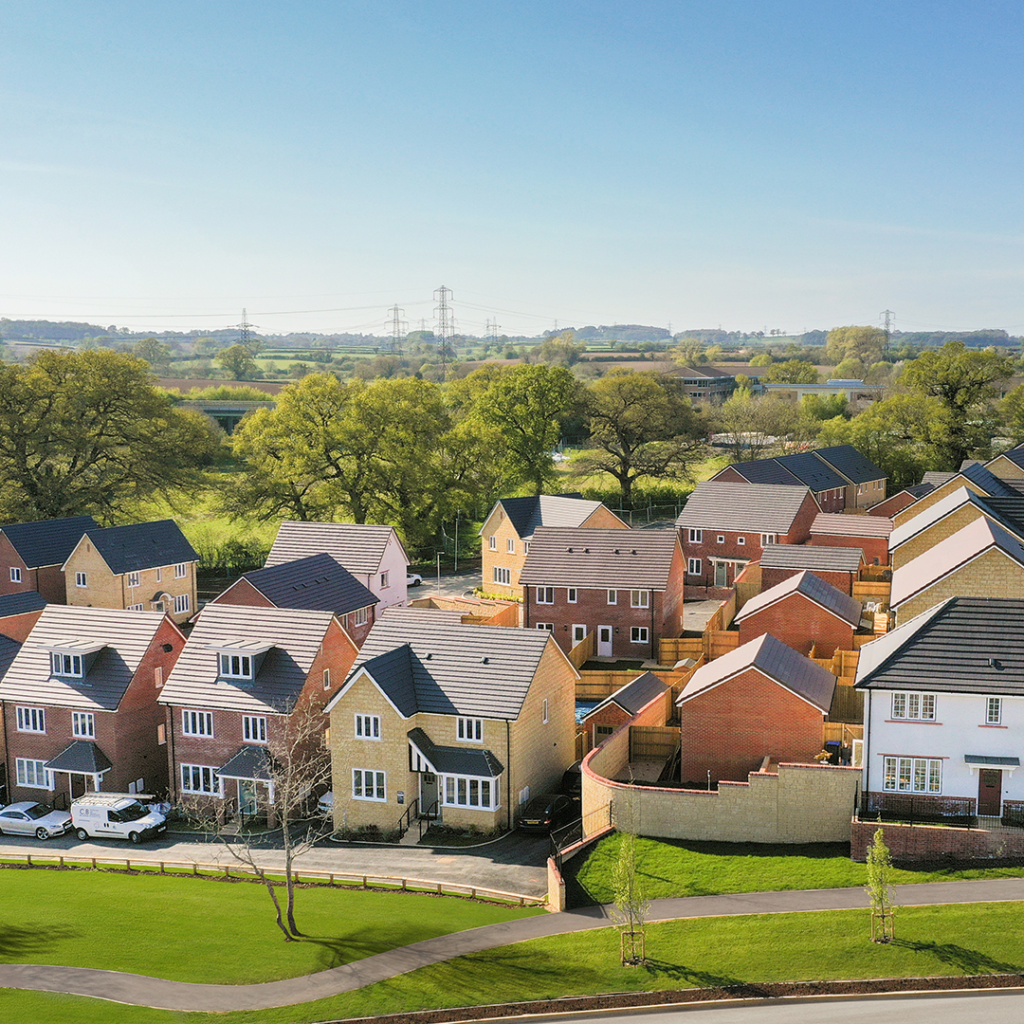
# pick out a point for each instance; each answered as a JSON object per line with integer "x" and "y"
{"x": 979, "y": 560}
{"x": 32, "y": 555}
{"x": 373, "y": 554}
{"x": 243, "y": 675}
{"x": 949, "y": 515}
{"x": 975, "y": 478}
{"x": 1008, "y": 465}
{"x": 869, "y": 534}
{"x": 647, "y": 696}
{"x": 317, "y": 583}
{"x": 703, "y": 383}
{"x": 460, "y": 722}
{"x": 932, "y": 735}
{"x": 900, "y": 500}
{"x": 140, "y": 567}
{"x": 511, "y": 524}
{"x": 19, "y": 613}
{"x": 80, "y": 703}
{"x": 761, "y": 701}
{"x": 803, "y": 612}
{"x": 627, "y": 587}
{"x": 724, "y": 526}
{"x": 838, "y": 566}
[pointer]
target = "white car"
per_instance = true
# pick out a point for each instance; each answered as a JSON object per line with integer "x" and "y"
{"x": 325, "y": 805}
{"x": 413, "y": 579}
{"x": 28, "y": 818}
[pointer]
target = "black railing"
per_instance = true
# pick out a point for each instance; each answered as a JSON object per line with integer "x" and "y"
{"x": 926, "y": 810}
{"x": 564, "y": 837}
{"x": 411, "y": 814}
{"x": 428, "y": 817}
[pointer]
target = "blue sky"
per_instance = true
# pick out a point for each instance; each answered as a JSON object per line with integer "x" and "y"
{"x": 753, "y": 165}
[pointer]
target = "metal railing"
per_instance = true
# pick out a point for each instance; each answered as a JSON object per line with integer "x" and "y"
{"x": 913, "y": 809}
{"x": 411, "y": 814}
{"x": 428, "y": 817}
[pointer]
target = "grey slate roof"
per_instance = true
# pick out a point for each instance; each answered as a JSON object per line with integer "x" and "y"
{"x": 919, "y": 490}
{"x": 8, "y": 649}
{"x": 937, "y": 477}
{"x": 21, "y": 604}
{"x": 967, "y": 633}
{"x": 293, "y": 635}
{"x": 358, "y": 548}
{"x": 1008, "y": 512}
{"x": 126, "y": 637}
{"x": 527, "y": 513}
{"x": 451, "y": 669}
{"x": 949, "y": 554}
{"x": 248, "y": 762}
{"x": 811, "y": 556}
{"x": 318, "y": 583}
{"x": 456, "y": 760}
{"x": 743, "y": 508}
{"x": 857, "y": 468}
{"x": 49, "y": 541}
{"x": 836, "y": 524}
{"x": 812, "y": 471}
{"x": 139, "y": 546}
{"x": 766, "y": 471}
{"x": 586, "y": 558}
{"x": 634, "y": 696}
{"x": 815, "y": 589}
{"x": 774, "y": 659}
{"x": 81, "y": 757}
{"x": 988, "y": 481}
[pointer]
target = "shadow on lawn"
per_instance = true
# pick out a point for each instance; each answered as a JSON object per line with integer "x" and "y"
{"x": 17, "y": 941}
{"x": 698, "y": 979}
{"x": 970, "y": 961}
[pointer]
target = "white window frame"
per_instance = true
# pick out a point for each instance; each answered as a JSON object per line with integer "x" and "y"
{"x": 544, "y": 595}
{"x": 503, "y": 577}
{"x": 33, "y": 774}
{"x": 361, "y": 616}
{"x": 182, "y": 604}
{"x": 741, "y": 541}
{"x": 327, "y": 678}
{"x": 83, "y": 725}
{"x": 31, "y": 720}
{"x": 367, "y": 727}
{"x": 639, "y": 635}
{"x": 385, "y": 580}
{"x": 254, "y": 729}
{"x": 197, "y": 723}
{"x": 458, "y": 791}
{"x": 66, "y": 665}
{"x": 134, "y": 579}
{"x": 639, "y": 599}
{"x": 15, "y": 574}
{"x": 200, "y": 779}
{"x": 159, "y": 574}
{"x": 696, "y": 536}
{"x": 549, "y": 626}
{"x": 181, "y": 570}
{"x": 912, "y": 774}
{"x": 721, "y": 538}
{"x": 769, "y": 538}
{"x": 136, "y": 607}
{"x": 81, "y": 579}
{"x": 492, "y": 542}
{"x": 546, "y": 717}
{"x": 378, "y": 785}
{"x": 613, "y": 597}
{"x": 694, "y": 567}
{"x": 469, "y": 730}
{"x": 579, "y": 632}
{"x": 572, "y": 595}
{"x": 234, "y": 666}
{"x": 510, "y": 545}
{"x": 909, "y": 706}
{"x": 993, "y": 710}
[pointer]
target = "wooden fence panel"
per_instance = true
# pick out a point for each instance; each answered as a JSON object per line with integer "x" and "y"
{"x": 652, "y": 742}
{"x": 583, "y": 651}
{"x": 847, "y": 706}
{"x": 678, "y": 648}
{"x": 719, "y": 642}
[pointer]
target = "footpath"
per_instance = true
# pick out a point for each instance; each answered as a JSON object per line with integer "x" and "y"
{"x": 140, "y": 990}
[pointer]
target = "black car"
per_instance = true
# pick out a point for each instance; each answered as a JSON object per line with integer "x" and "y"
{"x": 546, "y": 812}
{"x": 572, "y": 781}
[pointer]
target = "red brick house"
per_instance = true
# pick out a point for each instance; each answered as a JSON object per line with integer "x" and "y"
{"x": 19, "y": 613}
{"x": 726, "y": 525}
{"x": 761, "y": 700}
{"x": 869, "y": 534}
{"x": 242, "y": 675}
{"x": 646, "y": 696}
{"x": 838, "y": 566}
{"x": 317, "y": 583}
{"x": 897, "y": 502}
{"x": 80, "y": 703}
{"x": 32, "y": 555}
{"x": 625, "y": 586}
{"x": 802, "y": 611}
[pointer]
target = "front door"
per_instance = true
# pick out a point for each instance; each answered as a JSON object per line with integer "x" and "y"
{"x": 990, "y": 792}
{"x": 721, "y": 574}
{"x": 428, "y": 795}
{"x": 246, "y": 797}
{"x": 604, "y": 641}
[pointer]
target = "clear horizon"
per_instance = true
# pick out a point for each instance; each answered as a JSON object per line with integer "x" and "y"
{"x": 792, "y": 166}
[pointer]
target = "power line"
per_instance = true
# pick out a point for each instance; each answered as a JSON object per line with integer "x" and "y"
{"x": 397, "y": 334}
{"x": 445, "y": 326}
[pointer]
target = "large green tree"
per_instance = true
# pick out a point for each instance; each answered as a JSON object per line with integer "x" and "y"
{"x": 238, "y": 362}
{"x": 864, "y": 344}
{"x": 792, "y": 371}
{"x": 755, "y": 427}
{"x": 639, "y": 428}
{"x": 89, "y": 433}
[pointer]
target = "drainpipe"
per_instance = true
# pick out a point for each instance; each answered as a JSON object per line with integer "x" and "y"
{"x": 652, "y": 624}
{"x": 508, "y": 771}
{"x": 526, "y": 606}
{"x": 7, "y": 753}
{"x": 174, "y": 777}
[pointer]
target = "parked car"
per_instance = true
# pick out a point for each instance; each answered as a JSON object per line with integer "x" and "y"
{"x": 572, "y": 781}
{"x": 325, "y": 805}
{"x": 28, "y": 818}
{"x": 413, "y": 579}
{"x": 546, "y": 812}
{"x": 115, "y": 816}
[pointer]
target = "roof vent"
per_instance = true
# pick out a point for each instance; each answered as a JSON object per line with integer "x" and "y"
{"x": 484, "y": 661}
{"x": 586, "y": 551}
{"x": 569, "y": 550}
{"x": 633, "y": 552}
{"x": 167, "y": 648}
{"x": 996, "y": 664}
{"x": 428, "y": 655}
{"x": 616, "y": 551}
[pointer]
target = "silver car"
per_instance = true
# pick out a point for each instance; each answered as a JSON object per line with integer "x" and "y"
{"x": 31, "y": 819}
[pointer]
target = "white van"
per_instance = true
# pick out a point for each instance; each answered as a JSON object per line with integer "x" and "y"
{"x": 115, "y": 816}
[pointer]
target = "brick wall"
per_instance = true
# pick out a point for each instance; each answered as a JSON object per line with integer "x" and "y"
{"x": 905, "y": 515}
{"x": 897, "y": 503}
{"x": 840, "y": 580}
{"x": 732, "y": 727}
{"x": 1003, "y": 468}
{"x": 18, "y": 627}
{"x": 500, "y": 527}
{"x": 876, "y": 549}
{"x": 909, "y": 843}
{"x": 992, "y": 574}
{"x": 800, "y": 623}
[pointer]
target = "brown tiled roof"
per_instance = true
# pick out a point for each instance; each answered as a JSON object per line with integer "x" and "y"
{"x": 750, "y": 508}
{"x": 358, "y": 548}
{"x": 815, "y": 589}
{"x": 836, "y": 524}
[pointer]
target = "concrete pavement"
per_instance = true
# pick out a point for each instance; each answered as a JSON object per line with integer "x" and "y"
{"x": 143, "y": 991}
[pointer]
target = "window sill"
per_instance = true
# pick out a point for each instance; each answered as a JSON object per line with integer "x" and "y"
{"x": 371, "y": 799}
{"x": 909, "y": 721}
{"x": 990, "y": 725}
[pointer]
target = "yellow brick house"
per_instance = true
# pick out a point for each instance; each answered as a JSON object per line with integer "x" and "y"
{"x": 452, "y": 722}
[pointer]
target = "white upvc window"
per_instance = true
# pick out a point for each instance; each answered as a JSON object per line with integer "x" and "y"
{"x": 549, "y": 626}
{"x": 721, "y": 538}
{"x": 159, "y": 574}
{"x": 510, "y": 545}
{"x": 613, "y": 597}
{"x": 572, "y": 595}
{"x": 136, "y": 607}
{"x": 181, "y": 570}
{"x": 917, "y": 707}
{"x": 327, "y": 678}
{"x": 545, "y": 595}
{"x": 361, "y": 616}
{"x": 182, "y": 604}
{"x": 254, "y": 728}
{"x": 526, "y": 547}
{"x": 492, "y": 542}
{"x": 33, "y": 774}
{"x": 81, "y": 579}
{"x": 639, "y": 635}
{"x": 694, "y": 567}
{"x": 469, "y": 730}
{"x": 83, "y": 725}
{"x": 769, "y": 538}
{"x": 696, "y": 536}
{"x": 31, "y": 719}
{"x": 579, "y": 632}
{"x": 912, "y": 775}
{"x": 66, "y": 664}
{"x": 993, "y": 710}
{"x": 639, "y": 599}
{"x": 200, "y": 778}
{"x": 546, "y": 717}
{"x": 367, "y": 727}
{"x": 470, "y": 791}
{"x": 385, "y": 580}
{"x": 235, "y": 666}
{"x": 369, "y": 785}
{"x": 741, "y": 541}
{"x": 196, "y": 723}
{"x": 503, "y": 576}
{"x": 134, "y": 579}
{"x": 15, "y": 574}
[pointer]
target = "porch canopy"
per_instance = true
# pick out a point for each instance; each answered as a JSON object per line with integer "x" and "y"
{"x": 443, "y": 760}
{"x": 82, "y": 757}
{"x": 1006, "y": 764}
{"x": 250, "y": 764}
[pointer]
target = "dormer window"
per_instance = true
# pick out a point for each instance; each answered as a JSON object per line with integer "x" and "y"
{"x": 66, "y": 664}
{"x": 72, "y": 658}
{"x": 236, "y": 666}
{"x": 239, "y": 660}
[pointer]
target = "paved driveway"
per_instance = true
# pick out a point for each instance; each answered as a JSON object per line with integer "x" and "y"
{"x": 452, "y": 584}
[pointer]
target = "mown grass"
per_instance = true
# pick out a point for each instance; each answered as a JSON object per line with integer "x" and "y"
{"x": 709, "y": 869}
{"x": 932, "y": 941}
{"x": 203, "y": 930}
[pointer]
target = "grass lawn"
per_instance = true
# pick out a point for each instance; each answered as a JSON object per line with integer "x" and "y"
{"x": 972, "y": 939}
{"x": 708, "y": 869}
{"x": 210, "y": 931}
